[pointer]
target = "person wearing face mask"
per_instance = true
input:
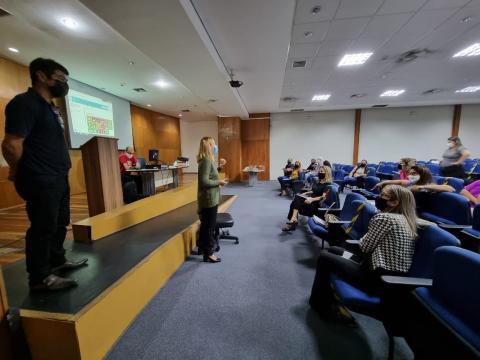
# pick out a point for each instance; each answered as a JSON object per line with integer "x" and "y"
{"x": 208, "y": 197}
{"x": 453, "y": 158}
{"x": 128, "y": 160}
{"x": 419, "y": 179}
{"x": 36, "y": 151}
{"x": 286, "y": 181}
{"x": 357, "y": 175}
{"x": 404, "y": 166}
{"x": 308, "y": 202}
{"x": 386, "y": 249}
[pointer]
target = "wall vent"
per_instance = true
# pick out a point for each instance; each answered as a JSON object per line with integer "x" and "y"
{"x": 379, "y": 106}
{"x": 297, "y": 110}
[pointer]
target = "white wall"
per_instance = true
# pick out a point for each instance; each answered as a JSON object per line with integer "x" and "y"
{"x": 304, "y": 136}
{"x": 469, "y": 130}
{"x": 392, "y": 133}
{"x": 190, "y": 134}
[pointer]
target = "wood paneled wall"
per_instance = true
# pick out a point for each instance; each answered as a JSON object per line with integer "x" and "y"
{"x": 230, "y": 146}
{"x": 256, "y": 144}
{"x": 152, "y": 130}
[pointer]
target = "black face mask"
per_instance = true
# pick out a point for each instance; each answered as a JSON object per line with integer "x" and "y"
{"x": 381, "y": 203}
{"x": 363, "y": 165}
{"x": 60, "y": 89}
{"x": 321, "y": 176}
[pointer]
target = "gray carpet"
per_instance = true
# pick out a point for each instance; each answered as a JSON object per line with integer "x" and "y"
{"x": 253, "y": 305}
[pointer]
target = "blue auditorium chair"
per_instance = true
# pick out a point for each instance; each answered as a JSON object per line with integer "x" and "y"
{"x": 347, "y": 212}
{"x": 456, "y": 183}
{"x": 470, "y": 236}
{"x": 370, "y": 192}
{"x": 434, "y": 168}
{"x": 338, "y": 176}
{"x": 447, "y": 209}
{"x": 385, "y": 171}
{"x": 397, "y": 287}
{"x": 444, "y": 321}
{"x": 142, "y": 162}
{"x": 299, "y": 183}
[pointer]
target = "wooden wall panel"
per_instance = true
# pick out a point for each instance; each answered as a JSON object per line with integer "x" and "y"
{"x": 356, "y": 135}
{"x": 152, "y": 130}
{"x": 256, "y": 144}
{"x": 457, "y": 113}
{"x": 230, "y": 146}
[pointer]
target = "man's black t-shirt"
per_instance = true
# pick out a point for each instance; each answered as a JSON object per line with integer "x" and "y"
{"x": 45, "y": 153}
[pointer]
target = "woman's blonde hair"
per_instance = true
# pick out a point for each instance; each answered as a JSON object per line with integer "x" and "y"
{"x": 328, "y": 173}
{"x": 205, "y": 149}
{"x": 406, "y": 204}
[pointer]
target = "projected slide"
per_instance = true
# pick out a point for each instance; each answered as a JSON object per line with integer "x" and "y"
{"x": 90, "y": 115}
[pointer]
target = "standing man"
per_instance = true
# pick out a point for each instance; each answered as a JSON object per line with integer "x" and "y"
{"x": 35, "y": 149}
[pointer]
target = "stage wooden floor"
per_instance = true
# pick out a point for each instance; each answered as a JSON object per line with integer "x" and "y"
{"x": 14, "y": 223}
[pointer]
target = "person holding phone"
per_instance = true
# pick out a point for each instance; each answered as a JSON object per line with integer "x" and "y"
{"x": 208, "y": 197}
{"x": 308, "y": 202}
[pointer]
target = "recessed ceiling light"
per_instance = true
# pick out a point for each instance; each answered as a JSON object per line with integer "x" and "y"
{"x": 320, "y": 97}
{"x": 392, "y": 92}
{"x": 472, "y": 50}
{"x": 179, "y": 115}
{"x": 354, "y": 59}
{"x": 69, "y": 23}
{"x": 307, "y": 34}
{"x": 162, "y": 84}
{"x": 131, "y": 62}
{"x": 316, "y": 10}
{"x": 466, "y": 19}
{"x": 149, "y": 105}
{"x": 469, "y": 89}
{"x": 12, "y": 49}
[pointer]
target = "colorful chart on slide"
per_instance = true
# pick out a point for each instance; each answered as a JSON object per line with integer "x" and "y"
{"x": 90, "y": 115}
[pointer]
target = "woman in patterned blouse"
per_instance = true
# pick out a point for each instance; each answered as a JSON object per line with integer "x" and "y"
{"x": 388, "y": 248}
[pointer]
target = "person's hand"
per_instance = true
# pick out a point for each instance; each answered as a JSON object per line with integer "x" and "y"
{"x": 378, "y": 185}
{"x": 416, "y": 188}
{"x": 222, "y": 182}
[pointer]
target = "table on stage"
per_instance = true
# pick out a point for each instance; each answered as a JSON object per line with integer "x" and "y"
{"x": 148, "y": 177}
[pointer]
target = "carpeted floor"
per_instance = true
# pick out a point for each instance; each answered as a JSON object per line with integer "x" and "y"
{"x": 253, "y": 305}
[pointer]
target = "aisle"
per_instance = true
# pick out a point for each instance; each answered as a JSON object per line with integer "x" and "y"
{"x": 253, "y": 305}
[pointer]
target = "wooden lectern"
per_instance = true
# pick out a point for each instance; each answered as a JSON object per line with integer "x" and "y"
{"x": 102, "y": 174}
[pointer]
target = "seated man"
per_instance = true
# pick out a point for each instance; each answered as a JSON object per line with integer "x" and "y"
{"x": 128, "y": 160}
{"x": 357, "y": 175}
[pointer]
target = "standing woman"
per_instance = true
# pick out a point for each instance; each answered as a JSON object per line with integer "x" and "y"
{"x": 453, "y": 158}
{"x": 208, "y": 197}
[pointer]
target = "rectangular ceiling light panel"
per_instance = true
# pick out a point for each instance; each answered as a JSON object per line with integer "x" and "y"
{"x": 354, "y": 59}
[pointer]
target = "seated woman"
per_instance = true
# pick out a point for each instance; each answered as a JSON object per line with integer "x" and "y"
{"x": 387, "y": 248}
{"x": 287, "y": 170}
{"x": 286, "y": 181}
{"x": 404, "y": 165}
{"x": 472, "y": 192}
{"x": 308, "y": 202}
{"x": 419, "y": 179}
{"x": 357, "y": 175}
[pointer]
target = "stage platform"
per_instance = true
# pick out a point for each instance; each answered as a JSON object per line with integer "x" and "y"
{"x": 125, "y": 271}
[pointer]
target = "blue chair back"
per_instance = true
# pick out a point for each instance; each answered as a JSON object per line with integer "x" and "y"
{"x": 439, "y": 180}
{"x": 370, "y": 182}
{"x": 476, "y": 217}
{"x": 347, "y": 168}
{"x": 456, "y": 183}
{"x": 301, "y": 175}
{"x": 142, "y": 162}
{"x": 434, "y": 168}
{"x": 456, "y": 291}
{"x": 386, "y": 169}
{"x": 338, "y": 174}
{"x": 332, "y": 197}
{"x": 429, "y": 239}
{"x": 349, "y": 209}
{"x": 360, "y": 227}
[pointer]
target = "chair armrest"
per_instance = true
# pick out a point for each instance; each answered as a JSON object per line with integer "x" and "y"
{"x": 453, "y": 227}
{"x": 471, "y": 235}
{"x": 406, "y": 281}
{"x": 353, "y": 242}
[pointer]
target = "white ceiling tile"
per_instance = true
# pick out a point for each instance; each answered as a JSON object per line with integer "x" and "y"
{"x": 385, "y": 25}
{"x": 356, "y": 8}
{"x": 303, "y": 50}
{"x": 325, "y": 63}
{"x": 334, "y": 47}
{"x": 346, "y": 29}
{"x": 318, "y": 32}
{"x": 441, "y": 4}
{"x": 303, "y": 13}
{"x": 400, "y": 6}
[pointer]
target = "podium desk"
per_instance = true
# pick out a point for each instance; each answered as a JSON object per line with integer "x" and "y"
{"x": 253, "y": 176}
{"x": 147, "y": 177}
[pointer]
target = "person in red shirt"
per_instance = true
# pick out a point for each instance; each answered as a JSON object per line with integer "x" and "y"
{"x": 128, "y": 160}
